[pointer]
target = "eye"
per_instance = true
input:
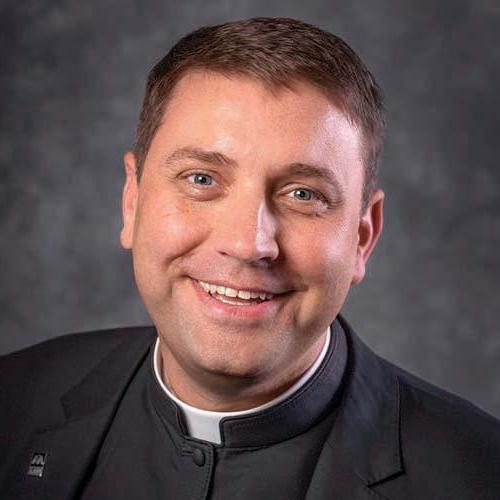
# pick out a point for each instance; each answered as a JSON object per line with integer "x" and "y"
{"x": 302, "y": 194}
{"x": 201, "y": 179}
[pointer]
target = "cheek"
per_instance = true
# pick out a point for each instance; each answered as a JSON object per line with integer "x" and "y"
{"x": 165, "y": 232}
{"x": 324, "y": 259}
{"x": 321, "y": 254}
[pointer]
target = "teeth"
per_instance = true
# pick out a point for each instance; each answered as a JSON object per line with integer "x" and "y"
{"x": 231, "y": 292}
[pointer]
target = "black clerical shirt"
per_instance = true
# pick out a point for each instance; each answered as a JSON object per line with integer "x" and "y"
{"x": 270, "y": 454}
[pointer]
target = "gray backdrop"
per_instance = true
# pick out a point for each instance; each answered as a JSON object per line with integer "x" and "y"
{"x": 71, "y": 82}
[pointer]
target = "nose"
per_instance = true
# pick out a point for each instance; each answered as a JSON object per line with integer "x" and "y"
{"x": 246, "y": 230}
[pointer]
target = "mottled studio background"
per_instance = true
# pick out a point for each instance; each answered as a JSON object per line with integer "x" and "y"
{"x": 71, "y": 82}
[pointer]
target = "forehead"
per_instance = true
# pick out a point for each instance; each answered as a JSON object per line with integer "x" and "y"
{"x": 247, "y": 121}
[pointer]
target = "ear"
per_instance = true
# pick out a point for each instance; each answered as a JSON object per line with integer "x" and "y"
{"x": 129, "y": 201}
{"x": 369, "y": 231}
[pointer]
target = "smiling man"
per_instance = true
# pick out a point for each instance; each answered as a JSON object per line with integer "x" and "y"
{"x": 246, "y": 191}
{"x": 251, "y": 207}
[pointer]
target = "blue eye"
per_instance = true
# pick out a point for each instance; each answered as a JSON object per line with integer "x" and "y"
{"x": 303, "y": 194}
{"x": 202, "y": 179}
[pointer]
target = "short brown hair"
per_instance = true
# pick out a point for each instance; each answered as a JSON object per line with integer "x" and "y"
{"x": 277, "y": 52}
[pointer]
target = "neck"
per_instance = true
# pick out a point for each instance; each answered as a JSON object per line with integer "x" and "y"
{"x": 221, "y": 393}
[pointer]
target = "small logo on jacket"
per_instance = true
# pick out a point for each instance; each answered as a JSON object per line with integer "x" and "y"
{"x": 37, "y": 464}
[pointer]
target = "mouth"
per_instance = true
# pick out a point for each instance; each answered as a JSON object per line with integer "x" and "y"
{"x": 222, "y": 302}
{"x": 234, "y": 296}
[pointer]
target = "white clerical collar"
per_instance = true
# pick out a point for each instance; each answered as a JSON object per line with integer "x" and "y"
{"x": 204, "y": 424}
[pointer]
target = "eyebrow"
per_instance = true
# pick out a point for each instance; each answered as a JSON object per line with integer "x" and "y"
{"x": 198, "y": 154}
{"x": 321, "y": 173}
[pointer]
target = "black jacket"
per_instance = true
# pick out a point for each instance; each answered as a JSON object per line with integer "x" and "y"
{"x": 395, "y": 436}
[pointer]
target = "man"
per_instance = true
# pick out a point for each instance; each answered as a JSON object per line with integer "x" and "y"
{"x": 250, "y": 206}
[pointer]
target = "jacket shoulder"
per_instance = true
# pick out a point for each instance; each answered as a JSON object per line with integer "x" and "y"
{"x": 39, "y": 375}
{"x": 423, "y": 402}
{"x": 67, "y": 356}
{"x": 450, "y": 447}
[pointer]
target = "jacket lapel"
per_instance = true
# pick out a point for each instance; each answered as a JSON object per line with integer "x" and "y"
{"x": 363, "y": 448}
{"x": 333, "y": 479}
{"x": 70, "y": 449}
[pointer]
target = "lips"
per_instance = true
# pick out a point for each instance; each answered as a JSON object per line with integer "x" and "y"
{"x": 224, "y": 307}
{"x": 219, "y": 292}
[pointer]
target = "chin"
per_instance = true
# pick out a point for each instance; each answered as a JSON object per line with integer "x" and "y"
{"x": 233, "y": 368}
{"x": 244, "y": 367}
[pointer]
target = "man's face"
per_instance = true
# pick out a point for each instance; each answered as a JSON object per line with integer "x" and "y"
{"x": 260, "y": 192}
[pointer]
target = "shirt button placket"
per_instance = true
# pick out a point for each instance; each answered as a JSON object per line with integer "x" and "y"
{"x": 202, "y": 456}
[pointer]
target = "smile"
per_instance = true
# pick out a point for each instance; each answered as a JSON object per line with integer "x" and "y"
{"x": 233, "y": 296}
